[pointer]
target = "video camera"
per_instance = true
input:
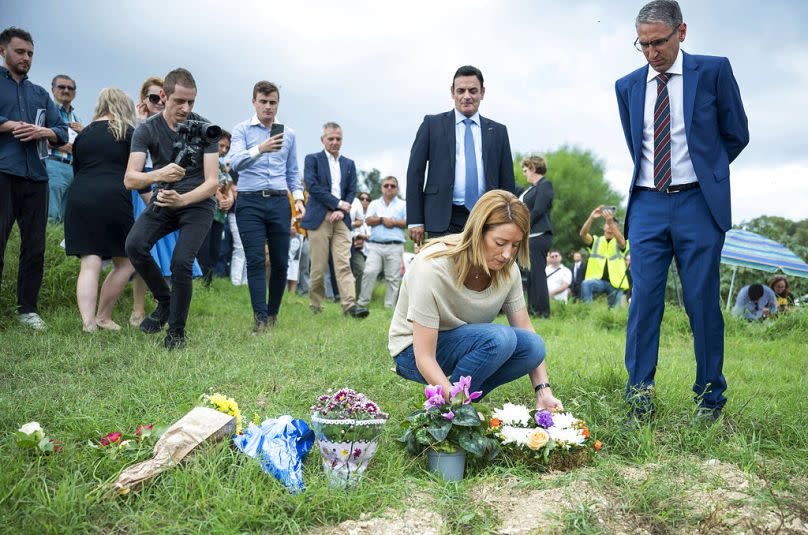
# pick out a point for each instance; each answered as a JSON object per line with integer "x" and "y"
{"x": 194, "y": 136}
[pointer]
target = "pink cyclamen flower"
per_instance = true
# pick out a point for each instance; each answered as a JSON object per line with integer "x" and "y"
{"x": 448, "y": 415}
{"x": 474, "y": 395}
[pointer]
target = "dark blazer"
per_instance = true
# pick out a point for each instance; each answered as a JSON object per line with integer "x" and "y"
{"x": 429, "y": 202}
{"x": 539, "y": 200}
{"x": 317, "y": 177}
{"x": 715, "y": 126}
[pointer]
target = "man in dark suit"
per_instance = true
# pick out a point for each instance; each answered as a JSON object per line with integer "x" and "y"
{"x": 684, "y": 123}
{"x": 331, "y": 183}
{"x": 578, "y": 274}
{"x": 467, "y": 156}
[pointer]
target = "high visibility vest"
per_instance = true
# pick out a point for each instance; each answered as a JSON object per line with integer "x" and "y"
{"x": 606, "y": 252}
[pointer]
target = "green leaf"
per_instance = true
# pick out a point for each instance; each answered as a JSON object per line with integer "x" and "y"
{"x": 423, "y": 436}
{"x": 25, "y": 441}
{"x": 466, "y": 416}
{"x": 440, "y": 429}
{"x": 472, "y": 442}
{"x": 406, "y": 436}
{"x": 412, "y": 445}
{"x": 45, "y": 445}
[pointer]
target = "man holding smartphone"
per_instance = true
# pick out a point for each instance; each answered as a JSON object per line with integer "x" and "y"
{"x": 606, "y": 267}
{"x": 264, "y": 154}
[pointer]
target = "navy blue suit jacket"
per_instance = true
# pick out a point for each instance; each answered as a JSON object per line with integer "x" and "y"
{"x": 317, "y": 176}
{"x": 715, "y": 126}
{"x": 429, "y": 202}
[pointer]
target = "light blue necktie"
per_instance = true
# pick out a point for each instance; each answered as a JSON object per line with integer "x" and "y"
{"x": 472, "y": 183}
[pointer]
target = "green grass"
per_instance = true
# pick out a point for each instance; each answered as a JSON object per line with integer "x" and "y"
{"x": 80, "y": 387}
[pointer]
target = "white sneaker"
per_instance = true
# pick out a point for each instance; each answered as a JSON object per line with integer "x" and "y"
{"x": 33, "y": 320}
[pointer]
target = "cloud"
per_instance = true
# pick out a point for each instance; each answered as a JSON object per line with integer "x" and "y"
{"x": 377, "y": 68}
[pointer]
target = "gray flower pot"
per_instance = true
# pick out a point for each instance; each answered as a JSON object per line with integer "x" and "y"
{"x": 450, "y": 466}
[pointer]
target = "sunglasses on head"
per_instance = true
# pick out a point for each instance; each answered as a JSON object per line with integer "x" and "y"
{"x": 154, "y": 99}
{"x": 66, "y": 87}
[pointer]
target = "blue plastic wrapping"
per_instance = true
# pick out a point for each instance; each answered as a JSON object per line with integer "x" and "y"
{"x": 280, "y": 445}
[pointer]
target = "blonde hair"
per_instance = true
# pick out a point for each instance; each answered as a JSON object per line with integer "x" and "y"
{"x": 119, "y": 108}
{"x": 467, "y": 249}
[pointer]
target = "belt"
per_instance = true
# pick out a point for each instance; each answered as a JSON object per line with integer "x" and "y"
{"x": 675, "y": 188}
{"x": 391, "y": 242}
{"x": 63, "y": 159}
{"x": 265, "y": 193}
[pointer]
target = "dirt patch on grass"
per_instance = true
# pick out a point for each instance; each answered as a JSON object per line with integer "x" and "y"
{"x": 702, "y": 497}
{"x": 391, "y": 522}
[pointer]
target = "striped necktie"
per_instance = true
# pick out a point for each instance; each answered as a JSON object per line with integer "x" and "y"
{"x": 662, "y": 134}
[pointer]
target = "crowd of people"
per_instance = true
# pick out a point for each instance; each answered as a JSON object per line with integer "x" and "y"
{"x": 195, "y": 188}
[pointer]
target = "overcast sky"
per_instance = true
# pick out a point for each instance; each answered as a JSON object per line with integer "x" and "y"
{"x": 378, "y": 67}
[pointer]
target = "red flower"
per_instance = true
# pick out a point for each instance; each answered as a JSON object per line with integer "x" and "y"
{"x": 141, "y": 427}
{"x": 110, "y": 438}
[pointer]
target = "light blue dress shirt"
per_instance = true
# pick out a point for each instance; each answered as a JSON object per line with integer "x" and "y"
{"x": 753, "y": 310}
{"x": 270, "y": 170}
{"x": 397, "y": 209}
{"x": 459, "y": 193}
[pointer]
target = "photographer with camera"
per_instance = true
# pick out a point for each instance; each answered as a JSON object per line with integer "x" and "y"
{"x": 606, "y": 267}
{"x": 184, "y": 151}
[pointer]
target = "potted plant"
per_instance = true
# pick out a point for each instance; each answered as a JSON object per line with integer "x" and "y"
{"x": 448, "y": 430}
{"x": 347, "y": 425}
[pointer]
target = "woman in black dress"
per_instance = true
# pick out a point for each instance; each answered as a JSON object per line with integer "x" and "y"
{"x": 98, "y": 212}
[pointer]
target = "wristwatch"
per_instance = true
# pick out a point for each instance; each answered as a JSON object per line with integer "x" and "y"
{"x": 541, "y": 386}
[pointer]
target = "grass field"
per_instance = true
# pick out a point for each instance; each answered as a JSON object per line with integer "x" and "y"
{"x": 749, "y": 473}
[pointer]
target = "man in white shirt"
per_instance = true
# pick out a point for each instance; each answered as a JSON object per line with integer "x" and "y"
{"x": 559, "y": 277}
{"x": 386, "y": 218}
{"x": 331, "y": 182}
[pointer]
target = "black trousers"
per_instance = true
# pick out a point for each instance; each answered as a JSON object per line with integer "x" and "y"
{"x": 26, "y": 202}
{"x": 193, "y": 222}
{"x": 208, "y": 255}
{"x": 538, "y": 297}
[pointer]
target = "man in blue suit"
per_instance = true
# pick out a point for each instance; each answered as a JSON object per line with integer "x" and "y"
{"x": 467, "y": 155}
{"x": 331, "y": 182}
{"x": 684, "y": 123}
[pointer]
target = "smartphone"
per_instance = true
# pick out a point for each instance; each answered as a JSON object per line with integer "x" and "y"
{"x": 276, "y": 129}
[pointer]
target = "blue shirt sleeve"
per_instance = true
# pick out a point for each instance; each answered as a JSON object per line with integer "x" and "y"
{"x": 53, "y": 120}
{"x": 239, "y": 151}
{"x": 292, "y": 170}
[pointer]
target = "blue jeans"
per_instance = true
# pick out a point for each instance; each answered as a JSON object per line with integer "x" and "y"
{"x": 60, "y": 176}
{"x": 490, "y": 353}
{"x": 263, "y": 220}
{"x": 600, "y": 286}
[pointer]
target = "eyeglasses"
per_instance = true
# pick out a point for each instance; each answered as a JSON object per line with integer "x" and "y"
{"x": 656, "y": 43}
{"x": 66, "y": 87}
{"x": 385, "y": 186}
{"x": 154, "y": 99}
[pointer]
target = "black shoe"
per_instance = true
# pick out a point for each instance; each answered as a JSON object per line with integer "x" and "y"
{"x": 357, "y": 312}
{"x": 175, "y": 339}
{"x": 260, "y": 326}
{"x": 707, "y": 415}
{"x": 154, "y": 322}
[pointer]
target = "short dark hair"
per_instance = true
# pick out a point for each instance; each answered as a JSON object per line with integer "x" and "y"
{"x": 755, "y": 292}
{"x": 265, "y": 88}
{"x": 10, "y": 33}
{"x": 62, "y": 76}
{"x": 554, "y": 250}
{"x": 226, "y": 134}
{"x": 179, "y": 76}
{"x": 468, "y": 70}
